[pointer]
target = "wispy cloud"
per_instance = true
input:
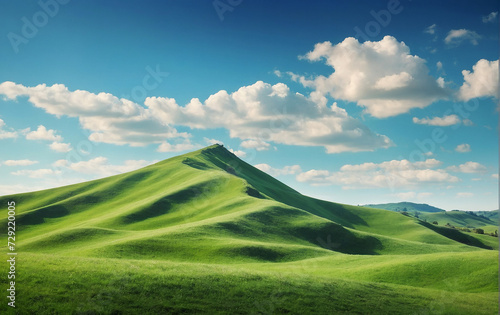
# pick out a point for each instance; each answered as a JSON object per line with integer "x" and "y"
{"x": 395, "y": 174}
{"x": 438, "y": 121}
{"x": 457, "y": 37}
{"x": 492, "y": 17}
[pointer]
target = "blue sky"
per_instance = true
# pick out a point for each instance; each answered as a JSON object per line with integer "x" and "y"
{"x": 357, "y": 103}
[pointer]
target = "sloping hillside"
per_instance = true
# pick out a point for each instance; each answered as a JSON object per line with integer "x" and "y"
{"x": 209, "y": 208}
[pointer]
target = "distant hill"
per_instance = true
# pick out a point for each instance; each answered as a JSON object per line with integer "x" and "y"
{"x": 486, "y": 220}
{"x": 406, "y": 206}
{"x": 492, "y": 215}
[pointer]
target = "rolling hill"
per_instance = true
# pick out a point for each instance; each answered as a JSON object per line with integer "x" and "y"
{"x": 406, "y": 206}
{"x": 205, "y": 232}
{"x": 487, "y": 220}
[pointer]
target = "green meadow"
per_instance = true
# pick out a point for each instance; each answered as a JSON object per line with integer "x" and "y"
{"x": 208, "y": 233}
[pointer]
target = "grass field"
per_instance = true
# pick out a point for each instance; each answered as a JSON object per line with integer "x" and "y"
{"x": 207, "y": 233}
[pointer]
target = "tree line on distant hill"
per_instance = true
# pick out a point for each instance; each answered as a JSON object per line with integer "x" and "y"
{"x": 450, "y": 226}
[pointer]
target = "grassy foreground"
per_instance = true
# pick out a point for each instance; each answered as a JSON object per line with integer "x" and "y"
{"x": 66, "y": 285}
{"x": 207, "y": 233}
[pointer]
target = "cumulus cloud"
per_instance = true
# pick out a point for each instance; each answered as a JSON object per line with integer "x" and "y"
{"x": 213, "y": 141}
{"x": 100, "y": 166}
{"x": 6, "y": 134}
{"x": 19, "y": 162}
{"x": 238, "y": 153}
{"x": 469, "y": 167}
{"x": 287, "y": 170}
{"x": 456, "y": 37}
{"x": 490, "y": 17}
{"x": 256, "y": 112}
{"x": 60, "y": 147}
{"x": 40, "y": 173}
{"x": 383, "y": 77}
{"x": 438, "y": 121}
{"x": 482, "y": 81}
{"x": 463, "y": 148}
{"x": 262, "y": 112}
{"x": 178, "y": 147}
{"x": 42, "y": 133}
{"x": 465, "y": 195}
{"x": 258, "y": 145}
{"x": 389, "y": 174}
{"x": 109, "y": 118}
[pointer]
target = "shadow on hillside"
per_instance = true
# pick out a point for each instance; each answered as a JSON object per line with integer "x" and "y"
{"x": 38, "y": 216}
{"x": 165, "y": 204}
{"x": 271, "y": 187}
{"x": 455, "y": 235}
{"x": 288, "y": 225}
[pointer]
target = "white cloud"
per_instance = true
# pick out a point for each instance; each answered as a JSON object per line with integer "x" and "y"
{"x": 278, "y": 73}
{"x": 238, "y": 153}
{"x": 213, "y": 141}
{"x": 406, "y": 195}
{"x": 465, "y": 195}
{"x": 467, "y": 122}
{"x": 463, "y": 148}
{"x": 490, "y": 17}
{"x": 178, "y": 147}
{"x": 101, "y": 166}
{"x": 469, "y": 167}
{"x": 411, "y": 195}
{"x": 381, "y": 76}
{"x": 19, "y": 162}
{"x": 287, "y": 170}
{"x": 40, "y": 173}
{"x": 60, "y": 163}
{"x": 389, "y": 174}
{"x": 438, "y": 121}
{"x": 43, "y": 134}
{"x": 109, "y": 118}
{"x": 482, "y": 81}
{"x": 272, "y": 113}
{"x": 431, "y": 29}
{"x": 258, "y": 145}
{"x": 4, "y": 134}
{"x": 60, "y": 147}
{"x": 456, "y": 37}
{"x": 439, "y": 65}
{"x": 259, "y": 111}
{"x": 494, "y": 176}
{"x": 424, "y": 195}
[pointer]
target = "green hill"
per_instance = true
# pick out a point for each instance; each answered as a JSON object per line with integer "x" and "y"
{"x": 487, "y": 220}
{"x": 206, "y": 232}
{"x": 406, "y": 206}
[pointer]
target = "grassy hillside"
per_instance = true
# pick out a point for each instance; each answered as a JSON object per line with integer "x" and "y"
{"x": 487, "y": 220}
{"x": 461, "y": 219}
{"x": 406, "y": 206}
{"x": 207, "y": 232}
